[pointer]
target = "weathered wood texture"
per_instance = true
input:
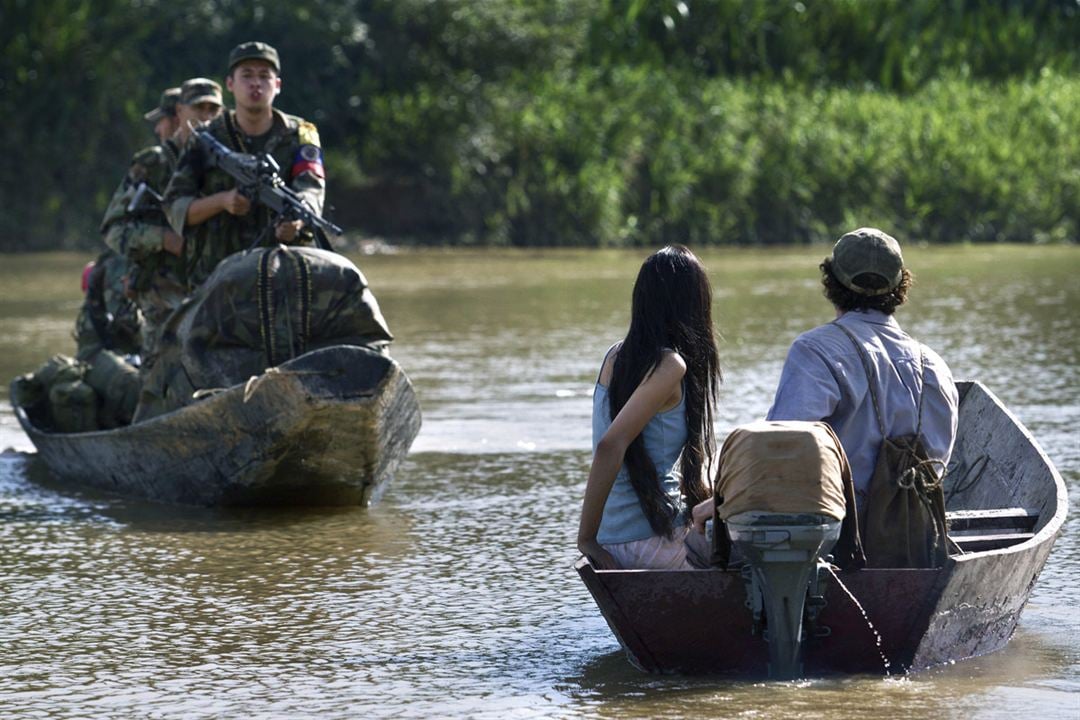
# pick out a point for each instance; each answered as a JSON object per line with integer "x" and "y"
{"x": 697, "y": 621}
{"x": 327, "y": 428}
{"x": 996, "y": 464}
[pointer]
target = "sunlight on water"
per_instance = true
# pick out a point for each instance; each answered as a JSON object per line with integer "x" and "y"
{"x": 455, "y": 596}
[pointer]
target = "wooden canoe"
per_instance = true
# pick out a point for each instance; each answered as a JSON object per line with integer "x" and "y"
{"x": 1006, "y": 505}
{"x": 326, "y": 428}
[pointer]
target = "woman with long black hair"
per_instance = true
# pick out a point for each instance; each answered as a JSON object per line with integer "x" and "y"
{"x": 653, "y": 409}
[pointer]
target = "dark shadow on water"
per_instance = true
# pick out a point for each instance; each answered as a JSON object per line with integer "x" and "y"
{"x": 54, "y": 499}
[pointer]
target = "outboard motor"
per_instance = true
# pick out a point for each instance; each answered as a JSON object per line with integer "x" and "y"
{"x": 783, "y": 550}
{"x": 783, "y": 490}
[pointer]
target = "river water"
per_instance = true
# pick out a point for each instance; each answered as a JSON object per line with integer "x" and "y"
{"x": 455, "y": 595}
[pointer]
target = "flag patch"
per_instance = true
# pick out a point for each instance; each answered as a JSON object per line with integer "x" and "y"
{"x": 308, "y": 159}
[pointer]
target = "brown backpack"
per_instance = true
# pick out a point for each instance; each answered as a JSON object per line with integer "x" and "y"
{"x": 904, "y": 523}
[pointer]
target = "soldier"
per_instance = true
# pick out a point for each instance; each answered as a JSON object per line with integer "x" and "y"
{"x": 163, "y": 117}
{"x": 204, "y": 204}
{"x": 134, "y": 224}
{"x": 200, "y": 102}
{"x": 107, "y": 318}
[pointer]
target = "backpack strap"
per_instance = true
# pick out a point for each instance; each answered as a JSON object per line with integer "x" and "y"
{"x": 870, "y": 375}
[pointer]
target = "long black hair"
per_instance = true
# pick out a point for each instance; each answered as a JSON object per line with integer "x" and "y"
{"x": 672, "y": 310}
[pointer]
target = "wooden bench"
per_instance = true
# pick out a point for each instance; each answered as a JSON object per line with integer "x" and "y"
{"x": 981, "y": 530}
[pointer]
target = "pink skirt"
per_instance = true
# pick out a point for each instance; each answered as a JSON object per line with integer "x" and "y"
{"x": 686, "y": 549}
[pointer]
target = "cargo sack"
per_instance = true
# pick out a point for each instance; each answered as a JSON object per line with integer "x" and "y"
{"x": 904, "y": 524}
{"x": 33, "y": 393}
{"x": 258, "y": 309}
{"x": 116, "y": 381}
{"x": 74, "y": 407}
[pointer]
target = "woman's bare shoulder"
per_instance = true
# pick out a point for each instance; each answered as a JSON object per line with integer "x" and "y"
{"x": 609, "y": 364}
{"x": 672, "y": 361}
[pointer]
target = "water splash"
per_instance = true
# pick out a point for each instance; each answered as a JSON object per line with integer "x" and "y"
{"x": 877, "y": 636}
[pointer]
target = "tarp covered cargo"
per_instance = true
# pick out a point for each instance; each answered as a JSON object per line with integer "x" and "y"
{"x": 257, "y": 310}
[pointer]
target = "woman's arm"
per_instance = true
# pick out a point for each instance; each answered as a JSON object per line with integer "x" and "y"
{"x": 652, "y": 395}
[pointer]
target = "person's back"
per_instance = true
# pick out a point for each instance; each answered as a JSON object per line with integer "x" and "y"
{"x": 824, "y": 379}
{"x": 653, "y": 423}
{"x": 890, "y": 399}
{"x": 664, "y": 436}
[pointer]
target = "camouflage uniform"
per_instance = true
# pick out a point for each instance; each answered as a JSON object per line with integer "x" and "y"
{"x": 156, "y": 277}
{"x": 107, "y": 319}
{"x": 291, "y": 141}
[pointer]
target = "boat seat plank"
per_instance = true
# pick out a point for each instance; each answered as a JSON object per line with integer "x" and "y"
{"x": 999, "y": 518}
{"x": 990, "y": 541}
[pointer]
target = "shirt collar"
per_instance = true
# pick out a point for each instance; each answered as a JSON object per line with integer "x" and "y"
{"x": 874, "y": 317}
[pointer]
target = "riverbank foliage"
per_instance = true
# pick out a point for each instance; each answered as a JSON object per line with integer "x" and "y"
{"x": 555, "y": 122}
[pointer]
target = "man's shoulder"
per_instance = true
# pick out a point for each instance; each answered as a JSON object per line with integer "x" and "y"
{"x": 821, "y": 336}
{"x": 305, "y": 131}
{"x": 149, "y": 156}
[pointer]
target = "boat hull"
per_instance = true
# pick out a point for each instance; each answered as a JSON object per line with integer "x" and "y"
{"x": 326, "y": 428}
{"x": 694, "y": 621}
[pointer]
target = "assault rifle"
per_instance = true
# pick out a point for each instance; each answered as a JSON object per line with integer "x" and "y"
{"x": 259, "y": 180}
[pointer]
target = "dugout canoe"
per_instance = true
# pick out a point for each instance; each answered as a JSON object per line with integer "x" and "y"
{"x": 326, "y": 428}
{"x": 1006, "y": 505}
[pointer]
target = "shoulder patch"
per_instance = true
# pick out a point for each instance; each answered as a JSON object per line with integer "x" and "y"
{"x": 309, "y": 134}
{"x": 308, "y": 159}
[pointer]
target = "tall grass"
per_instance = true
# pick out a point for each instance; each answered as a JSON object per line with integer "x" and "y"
{"x": 635, "y": 156}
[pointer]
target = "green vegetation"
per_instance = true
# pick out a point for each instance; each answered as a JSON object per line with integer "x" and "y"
{"x": 557, "y": 122}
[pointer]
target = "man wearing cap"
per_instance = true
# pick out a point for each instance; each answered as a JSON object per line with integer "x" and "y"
{"x": 163, "y": 118}
{"x": 152, "y": 165}
{"x": 825, "y": 378}
{"x": 150, "y": 169}
{"x": 205, "y": 206}
{"x": 136, "y": 225}
{"x": 200, "y": 102}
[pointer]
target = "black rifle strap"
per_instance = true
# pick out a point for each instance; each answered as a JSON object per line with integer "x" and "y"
{"x": 234, "y": 135}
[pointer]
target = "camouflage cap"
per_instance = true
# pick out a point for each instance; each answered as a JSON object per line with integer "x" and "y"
{"x": 254, "y": 51}
{"x": 199, "y": 90}
{"x": 166, "y": 106}
{"x": 868, "y": 261}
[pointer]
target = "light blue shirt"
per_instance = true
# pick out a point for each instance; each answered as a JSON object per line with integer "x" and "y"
{"x": 664, "y": 435}
{"x": 824, "y": 379}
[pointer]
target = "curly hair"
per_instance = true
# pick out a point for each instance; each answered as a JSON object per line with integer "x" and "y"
{"x": 845, "y": 299}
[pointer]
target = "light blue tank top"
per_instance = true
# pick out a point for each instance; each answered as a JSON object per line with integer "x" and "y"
{"x": 665, "y": 435}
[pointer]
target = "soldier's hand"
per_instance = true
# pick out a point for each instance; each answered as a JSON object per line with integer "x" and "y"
{"x": 286, "y": 230}
{"x": 172, "y": 243}
{"x": 235, "y": 203}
